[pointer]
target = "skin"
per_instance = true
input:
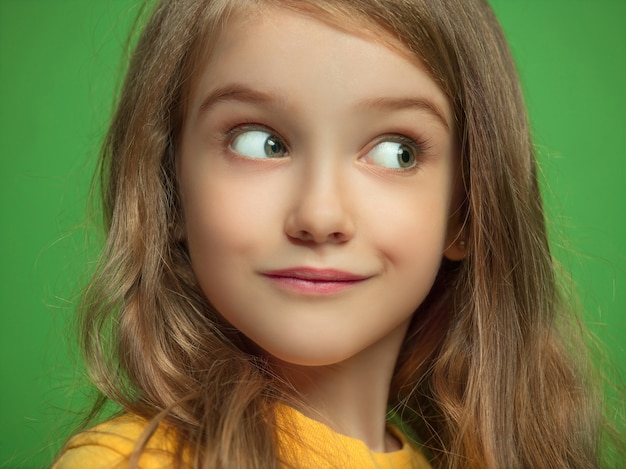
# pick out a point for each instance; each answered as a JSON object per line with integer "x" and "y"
{"x": 336, "y": 107}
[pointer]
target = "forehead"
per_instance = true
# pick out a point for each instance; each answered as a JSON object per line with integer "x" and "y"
{"x": 337, "y": 15}
{"x": 346, "y": 18}
{"x": 290, "y": 40}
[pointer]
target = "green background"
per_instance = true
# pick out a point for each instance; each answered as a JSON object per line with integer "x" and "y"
{"x": 59, "y": 65}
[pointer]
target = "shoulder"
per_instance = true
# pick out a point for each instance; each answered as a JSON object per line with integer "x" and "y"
{"x": 110, "y": 444}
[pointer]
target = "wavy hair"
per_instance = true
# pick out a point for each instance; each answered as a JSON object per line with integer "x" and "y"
{"x": 485, "y": 377}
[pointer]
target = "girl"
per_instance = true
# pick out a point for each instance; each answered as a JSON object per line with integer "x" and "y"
{"x": 319, "y": 211}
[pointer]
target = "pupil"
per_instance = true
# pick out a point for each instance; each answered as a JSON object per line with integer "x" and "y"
{"x": 405, "y": 156}
{"x": 273, "y": 146}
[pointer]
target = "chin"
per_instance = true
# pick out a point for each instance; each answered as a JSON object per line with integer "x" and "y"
{"x": 309, "y": 355}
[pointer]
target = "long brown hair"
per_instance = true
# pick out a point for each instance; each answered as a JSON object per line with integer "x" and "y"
{"x": 485, "y": 377}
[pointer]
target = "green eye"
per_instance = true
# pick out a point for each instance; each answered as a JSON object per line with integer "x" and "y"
{"x": 393, "y": 155}
{"x": 258, "y": 144}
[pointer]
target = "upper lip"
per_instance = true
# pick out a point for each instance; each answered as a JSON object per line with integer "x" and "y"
{"x": 310, "y": 273}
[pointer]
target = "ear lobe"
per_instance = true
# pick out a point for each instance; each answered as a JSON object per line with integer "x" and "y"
{"x": 457, "y": 236}
{"x": 456, "y": 246}
{"x": 456, "y": 249}
{"x": 456, "y": 240}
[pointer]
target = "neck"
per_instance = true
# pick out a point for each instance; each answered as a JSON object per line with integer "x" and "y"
{"x": 351, "y": 397}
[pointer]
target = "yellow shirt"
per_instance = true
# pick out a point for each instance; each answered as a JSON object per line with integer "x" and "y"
{"x": 308, "y": 444}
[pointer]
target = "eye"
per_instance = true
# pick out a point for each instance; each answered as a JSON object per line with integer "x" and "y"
{"x": 394, "y": 154}
{"x": 258, "y": 144}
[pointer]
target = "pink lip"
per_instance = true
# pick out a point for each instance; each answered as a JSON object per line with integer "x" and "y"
{"x": 314, "y": 281}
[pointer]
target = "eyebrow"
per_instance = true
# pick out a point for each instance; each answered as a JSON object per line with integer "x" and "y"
{"x": 392, "y": 104}
{"x": 242, "y": 93}
{"x": 238, "y": 92}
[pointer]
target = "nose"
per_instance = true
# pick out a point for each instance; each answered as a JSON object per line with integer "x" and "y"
{"x": 320, "y": 211}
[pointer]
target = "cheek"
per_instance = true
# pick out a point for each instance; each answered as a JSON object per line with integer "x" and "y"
{"x": 221, "y": 230}
{"x": 408, "y": 224}
{"x": 231, "y": 220}
{"x": 224, "y": 216}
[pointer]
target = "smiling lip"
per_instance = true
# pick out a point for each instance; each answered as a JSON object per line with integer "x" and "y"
{"x": 314, "y": 281}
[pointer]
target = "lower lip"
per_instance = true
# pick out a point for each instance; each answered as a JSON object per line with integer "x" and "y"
{"x": 312, "y": 287}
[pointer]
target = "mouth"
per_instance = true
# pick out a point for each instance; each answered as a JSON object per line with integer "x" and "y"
{"x": 308, "y": 280}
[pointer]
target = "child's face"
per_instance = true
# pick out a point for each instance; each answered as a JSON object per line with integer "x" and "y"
{"x": 316, "y": 171}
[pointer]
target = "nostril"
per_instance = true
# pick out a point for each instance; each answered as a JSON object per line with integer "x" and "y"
{"x": 304, "y": 235}
{"x": 318, "y": 221}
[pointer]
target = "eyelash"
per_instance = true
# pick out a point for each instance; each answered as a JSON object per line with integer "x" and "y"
{"x": 231, "y": 131}
{"x": 420, "y": 145}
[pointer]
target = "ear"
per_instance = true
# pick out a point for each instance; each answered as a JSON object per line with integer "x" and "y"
{"x": 456, "y": 247}
{"x": 456, "y": 237}
{"x": 457, "y": 234}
